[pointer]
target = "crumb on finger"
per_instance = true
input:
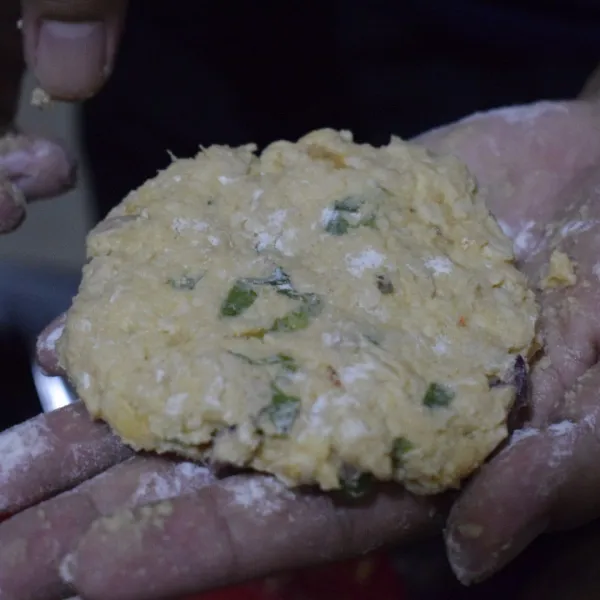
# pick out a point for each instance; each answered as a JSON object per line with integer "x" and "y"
{"x": 40, "y": 98}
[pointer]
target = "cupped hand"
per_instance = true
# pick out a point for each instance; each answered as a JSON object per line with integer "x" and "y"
{"x": 152, "y": 528}
{"x": 70, "y": 45}
{"x": 546, "y": 478}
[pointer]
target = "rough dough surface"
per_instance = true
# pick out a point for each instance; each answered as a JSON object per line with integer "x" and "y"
{"x": 328, "y": 312}
{"x": 561, "y": 272}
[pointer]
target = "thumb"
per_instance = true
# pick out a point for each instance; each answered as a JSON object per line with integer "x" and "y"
{"x": 71, "y": 44}
{"x": 543, "y": 480}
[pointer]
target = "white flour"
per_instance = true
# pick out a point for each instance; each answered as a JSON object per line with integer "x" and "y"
{"x": 19, "y": 447}
{"x": 177, "y": 480}
{"x": 527, "y": 114}
{"x": 48, "y": 342}
{"x": 263, "y": 495}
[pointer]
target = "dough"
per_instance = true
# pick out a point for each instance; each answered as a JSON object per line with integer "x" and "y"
{"x": 561, "y": 272}
{"x": 327, "y": 312}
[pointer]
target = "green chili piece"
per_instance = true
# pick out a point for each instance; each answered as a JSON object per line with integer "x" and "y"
{"x": 400, "y": 447}
{"x": 292, "y": 321}
{"x": 283, "y": 410}
{"x": 300, "y": 318}
{"x": 349, "y": 204}
{"x": 240, "y": 297}
{"x": 437, "y": 395}
{"x": 286, "y": 361}
{"x": 354, "y": 483}
{"x": 337, "y": 225}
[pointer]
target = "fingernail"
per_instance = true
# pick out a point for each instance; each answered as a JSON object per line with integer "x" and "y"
{"x": 470, "y": 558}
{"x": 66, "y": 569}
{"x": 70, "y": 58}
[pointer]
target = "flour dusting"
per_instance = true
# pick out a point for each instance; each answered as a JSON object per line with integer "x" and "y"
{"x": 515, "y": 115}
{"x": 564, "y": 435}
{"x": 263, "y": 495}
{"x": 522, "y": 434}
{"x": 524, "y": 239}
{"x": 49, "y": 342}
{"x": 573, "y": 227}
{"x": 19, "y": 447}
{"x": 439, "y": 264}
{"x": 367, "y": 259}
{"x": 178, "y": 479}
{"x": 562, "y": 428}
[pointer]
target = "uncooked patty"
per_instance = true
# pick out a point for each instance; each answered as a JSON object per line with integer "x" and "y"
{"x": 327, "y": 312}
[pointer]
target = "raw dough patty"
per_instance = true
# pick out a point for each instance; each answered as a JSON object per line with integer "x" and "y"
{"x": 324, "y": 312}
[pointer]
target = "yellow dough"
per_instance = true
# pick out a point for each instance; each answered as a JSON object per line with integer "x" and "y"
{"x": 328, "y": 312}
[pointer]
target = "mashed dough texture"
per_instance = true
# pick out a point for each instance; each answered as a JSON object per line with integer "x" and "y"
{"x": 327, "y": 312}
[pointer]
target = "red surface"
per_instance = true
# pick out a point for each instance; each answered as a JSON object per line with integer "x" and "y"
{"x": 362, "y": 579}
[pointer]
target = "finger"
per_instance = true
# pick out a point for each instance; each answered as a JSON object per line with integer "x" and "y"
{"x": 51, "y": 453}
{"x": 545, "y": 479}
{"x": 45, "y": 350}
{"x": 37, "y": 539}
{"x": 30, "y": 169}
{"x": 241, "y": 528}
{"x": 570, "y": 350}
{"x": 39, "y": 168}
{"x": 12, "y": 206}
{"x": 71, "y": 44}
{"x": 522, "y": 156}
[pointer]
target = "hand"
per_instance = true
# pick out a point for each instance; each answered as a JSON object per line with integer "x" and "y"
{"x": 216, "y": 532}
{"x": 547, "y": 478}
{"x": 70, "y": 45}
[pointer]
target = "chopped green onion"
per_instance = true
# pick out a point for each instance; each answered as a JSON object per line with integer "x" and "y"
{"x": 349, "y": 204}
{"x": 286, "y": 361}
{"x": 292, "y": 321}
{"x": 337, "y": 225}
{"x": 400, "y": 447}
{"x": 240, "y": 297}
{"x": 354, "y": 483}
{"x": 437, "y": 395}
{"x": 283, "y": 410}
{"x": 300, "y": 318}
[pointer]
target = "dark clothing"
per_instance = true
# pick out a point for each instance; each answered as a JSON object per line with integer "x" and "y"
{"x": 193, "y": 72}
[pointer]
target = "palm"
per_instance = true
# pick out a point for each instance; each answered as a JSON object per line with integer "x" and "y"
{"x": 544, "y": 479}
{"x": 211, "y": 532}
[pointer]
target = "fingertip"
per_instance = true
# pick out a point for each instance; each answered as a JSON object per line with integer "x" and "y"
{"x": 37, "y": 167}
{"x": 71, "y": 47}
{"x": 52, "y": 171}
{"x": 500, "y": 512}
{"x": 46, "y": 351}
{"x": 12, "y": 206}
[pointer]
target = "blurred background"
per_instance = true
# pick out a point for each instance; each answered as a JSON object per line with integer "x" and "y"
{"x": 39, "y": 271}
{"x": 192, "y": 73}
